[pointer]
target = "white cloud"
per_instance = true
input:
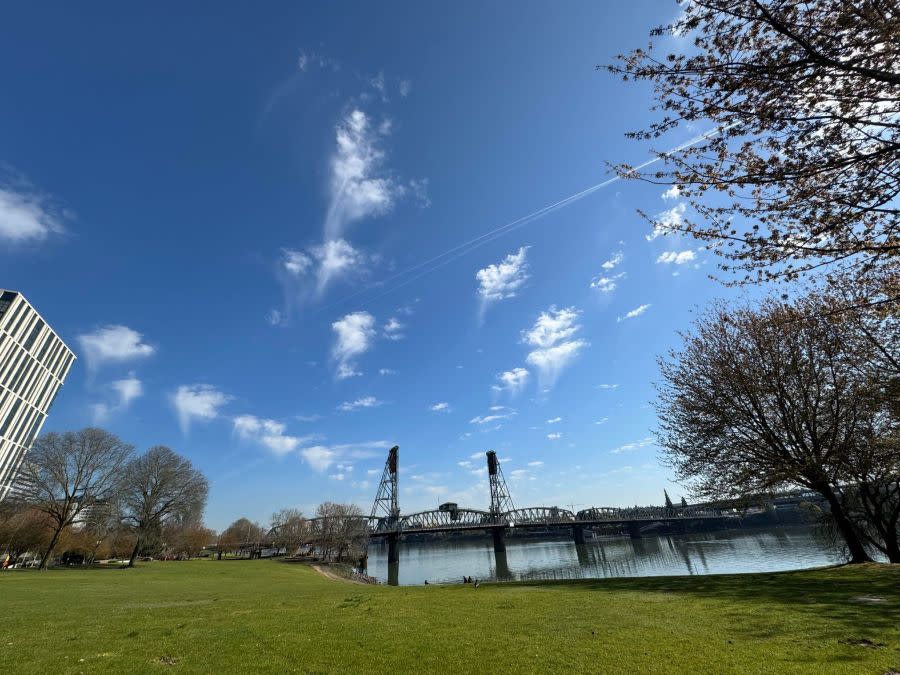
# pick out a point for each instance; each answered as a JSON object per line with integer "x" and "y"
{"x": 197, "y": 401}
{"x": 502, "y": 280}
{"x": 318, "y": 457}
{"x": 357, "y": 189}
{"x": 552, "y": 327}
{"x": 550, "y": 362}
{"x": 513, "y": 381}
{"x": 555, "y": 350}
{"x": 377, "y": 82}
{"x": 336, "y": 476}
{"x": 273, "y": 317}
{"x": 354, "y": 334}
{"x": 486, "y": 419}
{"x": 535, "y": 464}
{"x": 405, "y": 88}
{"x": 607, "y": 284}
{"x": 26, "y": 216}
{"x": 630, "y": 447}
{"x": 677, "y": 257}
{"x": 616, "y": 259}
{"x": 602, "y": 420}
{"x": 393, "y": 329}
{"x": 673, "y": 192}
{"x": 386, "y": 371}
{"x": 608, "y": 386}
{"x": 637, "y": 311}
{"x": 308, "y": 418}
{"x": 128, "y": 390}
{"x": 336, "y": 258}
{"x": 113, "y": 344}
{"x": 667, "y": 221}
{"x": 365, "y": 402}
{"x": 296, "y": 262}
{"x": 266, "y": 432}
{"x": 324, "y": 263}
{"x": 554, "y": 437}
{"x": 440, "y": 407}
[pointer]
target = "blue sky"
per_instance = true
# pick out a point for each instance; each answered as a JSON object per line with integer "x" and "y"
{"x": 230, "y": 219}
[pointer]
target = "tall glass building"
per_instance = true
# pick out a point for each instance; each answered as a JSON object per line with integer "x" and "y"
{"x": 34, "y": 363}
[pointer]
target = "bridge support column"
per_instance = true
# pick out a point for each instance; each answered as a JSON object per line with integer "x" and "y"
{"x": 578, "y": 535}
{"x": 393, "y": 548}
{"x": 634, "y": 530}
{"x": 499, "y": 542}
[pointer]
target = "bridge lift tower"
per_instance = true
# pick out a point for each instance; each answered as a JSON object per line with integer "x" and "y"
{"x": 501, "y": 502}
{"x": 387, "y": 504}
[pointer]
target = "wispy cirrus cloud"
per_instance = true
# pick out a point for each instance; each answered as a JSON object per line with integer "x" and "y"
{"x": 268, "y": 433}
{"x": 555, "y": 346}
{"x": 360, "y": 187}
{"x": 197, "y": 402}
{"x": 514, "y": 381}
{"x": 354, "y": 334}
{"x": 364, "y": 402}
{"x": 26, "y": 214}
{"x": 631, "y": 447}
{"x": 124, "y": 391}
{"x": 443, "y": 407}
{"x": 637, "y": 311}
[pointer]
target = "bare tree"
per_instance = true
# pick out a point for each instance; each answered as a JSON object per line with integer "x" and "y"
{"x": 186, "y": 539}
{"x": 67, "y": 474}
{"x": 804, "y": 98}
{"x": 342, "y": 528}
{"x": 159, "y": 487}
{"x": 289, "y": 529}
{"x": 241, "y": 531}
{"x": 762, "y": 399}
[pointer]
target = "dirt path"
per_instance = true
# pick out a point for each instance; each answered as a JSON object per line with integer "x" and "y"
{"x": 336, "y": 577}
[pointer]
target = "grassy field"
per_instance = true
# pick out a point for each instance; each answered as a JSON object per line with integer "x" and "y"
{"x": 267, "y": 616}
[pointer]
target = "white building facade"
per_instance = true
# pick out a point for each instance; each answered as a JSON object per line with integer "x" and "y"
{"x": 34, "y": 363}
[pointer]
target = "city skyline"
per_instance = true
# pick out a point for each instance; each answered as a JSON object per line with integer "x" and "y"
{"x": 313, "y": 244}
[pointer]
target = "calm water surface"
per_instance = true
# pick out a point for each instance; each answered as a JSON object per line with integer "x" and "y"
{"x": 757, "y": 550}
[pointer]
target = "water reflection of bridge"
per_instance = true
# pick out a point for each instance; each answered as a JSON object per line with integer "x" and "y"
{"x": 387, "y": 523}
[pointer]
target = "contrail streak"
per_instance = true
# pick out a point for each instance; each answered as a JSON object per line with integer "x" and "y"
{"x": 460, "y": 250}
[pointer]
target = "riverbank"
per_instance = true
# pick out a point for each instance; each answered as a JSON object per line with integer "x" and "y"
{"x": 267, "y": 616}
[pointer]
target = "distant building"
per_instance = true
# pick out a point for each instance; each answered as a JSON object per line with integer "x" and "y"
{"x": 34, "y": 363}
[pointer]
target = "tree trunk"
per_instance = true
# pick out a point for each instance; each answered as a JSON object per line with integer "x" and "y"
{"x": 137, "y": 547}
{"x": 892, "y": 546}
{"x": 45, "y": 561}
{"x": 845, "y": 527}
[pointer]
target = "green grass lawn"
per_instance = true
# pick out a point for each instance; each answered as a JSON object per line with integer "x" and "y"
{"x": 268, "y": 616}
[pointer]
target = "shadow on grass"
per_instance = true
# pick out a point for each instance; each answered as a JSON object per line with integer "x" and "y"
{"x": 862, "y": 597}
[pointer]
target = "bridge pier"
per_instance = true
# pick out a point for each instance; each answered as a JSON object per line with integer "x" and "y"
{"x": 578, "y": 535}
{"x": 634, "y": 530}
{"x": 499, "y": 542}
{"x": 502, "y": 567}
{"x": 393, "y": 548}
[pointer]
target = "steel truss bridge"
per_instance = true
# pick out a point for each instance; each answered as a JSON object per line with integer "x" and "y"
{"x": 386, "y": 522}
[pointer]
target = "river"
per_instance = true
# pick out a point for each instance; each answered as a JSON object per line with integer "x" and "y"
{"x": 756, "y": 550}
